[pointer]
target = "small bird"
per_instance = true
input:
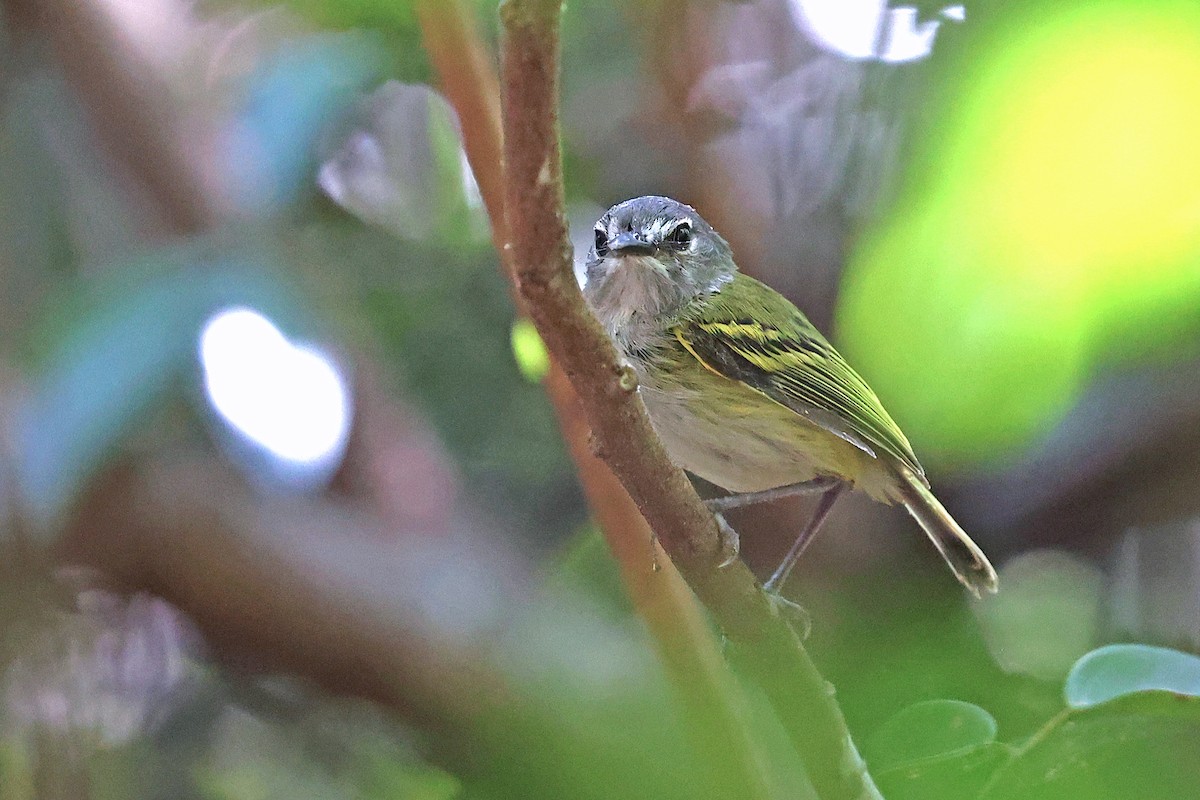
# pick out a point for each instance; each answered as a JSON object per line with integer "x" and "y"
{"x": 743, "y": 391}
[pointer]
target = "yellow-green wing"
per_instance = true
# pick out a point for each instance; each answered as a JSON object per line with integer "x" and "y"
{"x": 750, "y": 333}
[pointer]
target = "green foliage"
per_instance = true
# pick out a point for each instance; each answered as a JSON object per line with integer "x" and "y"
{"x": 1122, "y": 736}
{"x": 936, "y": 748}
{"x": 16, "y": 778}
{"x": 387, "y": 778}
{"x": 930, "y": 729}
{"x": 1030, "y": 249}
{"x": 1131, "y": 717}
{"x": 1042, "y": 585}
{"x": 1140, "y": 745}
{"x": 1124, "y": 669}
{"x": 529, "y": 351}
{"x": 585, "y": 565}
{"x": 108, "y": 353}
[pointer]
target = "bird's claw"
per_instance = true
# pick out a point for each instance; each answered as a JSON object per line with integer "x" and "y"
{"x": 795, "y": 614}
{"x": 731, "y": 543}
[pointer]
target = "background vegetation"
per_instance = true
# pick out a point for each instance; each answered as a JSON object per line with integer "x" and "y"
{"x": 290, "y": 497}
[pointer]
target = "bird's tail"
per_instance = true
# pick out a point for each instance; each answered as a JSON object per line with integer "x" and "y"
{"x": 966, "y": 560}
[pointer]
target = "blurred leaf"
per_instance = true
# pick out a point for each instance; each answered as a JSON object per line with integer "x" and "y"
{"x": 390, "y": 15}
{"x": 586, "y": 566}
{"x": 933, "y": 749}
{"x": 16, "y": 775}
{"x": 952, "y": 777}
{"x": 358, "y": 13}
{"x": 271, "y": 143}
{"x": 1121, "y": 669}
{"x": 529, "y": 351}
{"x": 1042, "y": 585}
{"x": 928, "y": 730}
{"x": 1047, "y": 230}
{"x": 252, "y": 760}
{"x": 388, "y": 779}
{"x": 109, "y": 353}
{"x": 1140, "y": 746}
{"x": 402, "y": 168}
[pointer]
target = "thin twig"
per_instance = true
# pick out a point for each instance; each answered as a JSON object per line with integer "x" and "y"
{"x": 542, "y": 271}
{"x": 684, "y": 642}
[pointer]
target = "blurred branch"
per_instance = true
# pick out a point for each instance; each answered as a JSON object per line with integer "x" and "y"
{"x": 543, "y": 273}
{"x": 681, "y": 634}
{"x": 138, "y": 120}
{"x": 467, "y": 75}
{"x": 324, "y": 591}
{"x": 263, "y": 579}
{"x": 267, "y": 579}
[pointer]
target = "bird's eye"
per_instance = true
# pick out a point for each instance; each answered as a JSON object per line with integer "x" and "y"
{"x": 682, "y": 235}
{"x": 601, "y": 243}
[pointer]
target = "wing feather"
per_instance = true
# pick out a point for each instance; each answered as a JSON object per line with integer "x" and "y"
{"x": 749, "y": 333}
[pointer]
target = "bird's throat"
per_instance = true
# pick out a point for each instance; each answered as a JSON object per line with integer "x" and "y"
{"x": 634, "y": 287}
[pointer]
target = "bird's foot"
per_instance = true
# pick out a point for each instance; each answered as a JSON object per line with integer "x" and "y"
{"x": 792, "y": 612}
{"x": 731, "y": 543}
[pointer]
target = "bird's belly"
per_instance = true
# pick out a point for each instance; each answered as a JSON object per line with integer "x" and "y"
{"x": 752, "y": 444}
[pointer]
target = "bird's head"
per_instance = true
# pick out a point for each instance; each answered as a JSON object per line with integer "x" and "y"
{"x": 651, "y": 256}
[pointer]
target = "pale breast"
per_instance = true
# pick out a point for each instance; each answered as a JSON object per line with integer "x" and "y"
{"x": 731, "y": 435}
{"x": 735, "y": 437}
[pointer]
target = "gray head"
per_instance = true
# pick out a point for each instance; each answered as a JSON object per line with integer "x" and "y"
{"x": 653, "y": 255}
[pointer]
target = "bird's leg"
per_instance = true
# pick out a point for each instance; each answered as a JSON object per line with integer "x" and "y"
{"x": 775, "y": 583}
{"x": 730, "y": 541}
{"x": 718, "y": 504}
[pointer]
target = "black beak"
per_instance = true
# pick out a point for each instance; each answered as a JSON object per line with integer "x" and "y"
{"x": 628, "y": 244}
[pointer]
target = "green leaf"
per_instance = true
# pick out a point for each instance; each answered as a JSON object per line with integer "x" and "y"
{"x": 1025, "y": 253}
{"x": 952, "y": 777}
{"x": 585, "y": 566}
{"x": 1142, "y": 746}
{"x": 1122, "y": 669}
{"x": 387, "y": 778}
{"x": 1042, "y": 585}
{"x": 109, "y": 354}
{"x": 529, "y": 351}
{"x": 930, "y": 729}
{"x": 16, "y": 770}
{"x": 933, "y": 749}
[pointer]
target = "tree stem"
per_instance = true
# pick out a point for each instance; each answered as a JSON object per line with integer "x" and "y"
{"x": 716, "y": 710}
{"x": 538, "y": 254}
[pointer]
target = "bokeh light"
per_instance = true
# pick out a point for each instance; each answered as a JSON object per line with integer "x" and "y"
{"x": 865, "y": 29}
{"x": 288, "y": 399}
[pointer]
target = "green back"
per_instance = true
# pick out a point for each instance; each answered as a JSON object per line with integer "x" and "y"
{"x": 750, "y": 333}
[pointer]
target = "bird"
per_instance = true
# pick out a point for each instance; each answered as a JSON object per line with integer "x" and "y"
{"x": 744, "y": 391}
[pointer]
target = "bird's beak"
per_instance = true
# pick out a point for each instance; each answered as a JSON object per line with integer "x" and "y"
{"x": 628, "y": 244}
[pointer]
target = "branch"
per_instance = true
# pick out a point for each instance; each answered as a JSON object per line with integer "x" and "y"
{"x": 324, "y": 591}
{"x": 685, "y": 645}
{"x": 138, "y": 120}
{"x": 541, "y": 270}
